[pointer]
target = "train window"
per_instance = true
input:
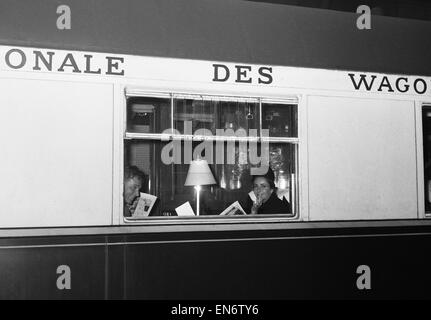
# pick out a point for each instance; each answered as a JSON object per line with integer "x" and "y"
{"x": 226, "y": 132}
{"x": 214, "y": 115}
{"x": 426, "y": 127}
{"x": 280, "y": 119}
{"x": 148, "y": 115}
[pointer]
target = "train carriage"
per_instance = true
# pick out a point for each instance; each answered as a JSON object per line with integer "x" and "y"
{"x": 340, "y": 115}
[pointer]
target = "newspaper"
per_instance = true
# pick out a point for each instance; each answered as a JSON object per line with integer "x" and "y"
{"x": 234, "y": 208}
{"x": 144, "y": 206}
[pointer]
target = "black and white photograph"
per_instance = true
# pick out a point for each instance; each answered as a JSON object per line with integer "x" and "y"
{"x": 215, "y": 154}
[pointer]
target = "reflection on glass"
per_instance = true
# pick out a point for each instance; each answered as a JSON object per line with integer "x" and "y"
{"x": 426, "y": 127}
{"x": 148, "y": 115}
{"x": 235, "y": 165}
{"x": 282, "y": 162}
{"x": 193, "y": 114}
{"x": 233, "y": 180}
{"x": 280, "y": 120}
{"x": 230, "y": 161}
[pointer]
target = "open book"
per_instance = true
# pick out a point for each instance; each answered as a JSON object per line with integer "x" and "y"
{"x": 144, "y": 206}
{"x": 234, "y": 208}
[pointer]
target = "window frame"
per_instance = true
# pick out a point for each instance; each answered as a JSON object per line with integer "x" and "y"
{"x": 295, "y": 141}
{"x": 421, "y": 175}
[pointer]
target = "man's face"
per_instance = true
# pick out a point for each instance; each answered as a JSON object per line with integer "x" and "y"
{"x": 131, "y": 190}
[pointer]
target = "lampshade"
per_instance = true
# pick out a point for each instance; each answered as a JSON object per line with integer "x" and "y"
{"x": 199, "y": 174}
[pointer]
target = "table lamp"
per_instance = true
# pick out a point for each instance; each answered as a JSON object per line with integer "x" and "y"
{"x": 199, "y": 174}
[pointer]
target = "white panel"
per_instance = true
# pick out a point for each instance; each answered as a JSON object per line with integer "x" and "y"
{"x": 56, "y": 153}
{"x": 362, "y": 162}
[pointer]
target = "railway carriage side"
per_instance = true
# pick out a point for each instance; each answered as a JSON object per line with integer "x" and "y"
{"x": 126, "y": 173}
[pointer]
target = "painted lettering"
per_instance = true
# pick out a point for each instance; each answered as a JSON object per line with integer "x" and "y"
{"x": 22, "y": 59}
{"x": 244, "y": 74}
{"x": 41, "y": 60}
{"x": 385, "y": 83}
{"x": 382, "y": 83}
{"x": 38, "y": 56}
{"x": 216, "y": 72}
{"x": 88, "y": 58}
{"x": 114, "y": 65}
{"x": 266, "y": 75}
{"x": 241, "y": 74}
{"x": 69, "y": 61}
{"x": 406, "y": 86}
{"x": 362, "y": 80}
{"x": 424, "y": 86}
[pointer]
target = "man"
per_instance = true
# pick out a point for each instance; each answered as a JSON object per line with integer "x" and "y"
{"x": 133, "y": 181}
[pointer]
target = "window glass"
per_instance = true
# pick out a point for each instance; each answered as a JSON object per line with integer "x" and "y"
{"x": 193, "y": 114}
{"x": 280, "y": 120}
{"x": 148, "y": 115}
{"x": 167, "y": 174}
{"x": 426, "y": 127}
{"x": 233, "y": 181}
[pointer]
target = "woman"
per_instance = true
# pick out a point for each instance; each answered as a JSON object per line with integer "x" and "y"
{"x": 267, "y": 201}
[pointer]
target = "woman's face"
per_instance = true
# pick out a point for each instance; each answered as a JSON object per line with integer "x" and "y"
{"x": 262, "y": 188}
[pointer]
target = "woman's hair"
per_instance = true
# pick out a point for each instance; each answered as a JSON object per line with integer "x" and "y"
{"x": 269, "y": 176}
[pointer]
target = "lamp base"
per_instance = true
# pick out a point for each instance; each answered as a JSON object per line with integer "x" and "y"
{"x": 198, "y": 193}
